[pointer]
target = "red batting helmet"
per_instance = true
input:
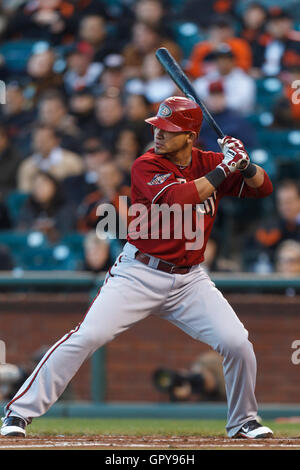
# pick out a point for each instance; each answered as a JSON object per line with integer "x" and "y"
{"x": 178, "y": 114}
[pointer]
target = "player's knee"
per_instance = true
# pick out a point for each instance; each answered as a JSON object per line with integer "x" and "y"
{"x": 239, "y": 347}
{"x": 94, "y": 338}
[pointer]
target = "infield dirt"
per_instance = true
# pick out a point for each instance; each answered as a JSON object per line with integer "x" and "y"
{"x": 145, "y": 442}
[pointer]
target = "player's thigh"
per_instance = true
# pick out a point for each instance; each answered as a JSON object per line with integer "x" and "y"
{"x": 203, "y": 313}
{"x": 129, "y": 294}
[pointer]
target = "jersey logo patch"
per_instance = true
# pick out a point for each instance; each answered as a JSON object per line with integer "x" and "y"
{"x": 159, "y": 179}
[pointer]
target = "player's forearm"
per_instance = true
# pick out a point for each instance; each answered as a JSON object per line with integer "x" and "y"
{"x": 257, "y": 179}
{"x": 204, "y": 187}
{"x": 260, "y": 181}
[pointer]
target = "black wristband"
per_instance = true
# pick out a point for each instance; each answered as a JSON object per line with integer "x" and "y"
{"x": 216, "y": 177}
{"x": 250, "y": 171}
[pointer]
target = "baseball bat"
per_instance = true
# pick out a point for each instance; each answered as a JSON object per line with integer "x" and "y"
{"x": 178, "y": 76}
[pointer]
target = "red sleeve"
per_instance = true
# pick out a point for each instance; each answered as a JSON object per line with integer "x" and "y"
{"x": 157, "y": 184}
{"x": 235, "y": 185}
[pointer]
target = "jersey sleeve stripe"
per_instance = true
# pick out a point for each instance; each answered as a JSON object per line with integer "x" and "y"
{"x": 165, "y": 187}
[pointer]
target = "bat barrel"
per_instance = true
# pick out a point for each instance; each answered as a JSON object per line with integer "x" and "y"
{"x": 178, "y": 76}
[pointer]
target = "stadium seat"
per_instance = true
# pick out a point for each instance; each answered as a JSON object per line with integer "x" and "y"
{"x": 19, "y": 242}
{"x": 14, "y": 202}
{"x": 115, "y": 248}
{"x": 32, "y": 250}
{"x": 284, "y": 4}
{"x": 16, "y": 54}
{"x": 280, "y": 143}
{"x": 268, "y": 90}
{"x": 49, "y": 258}
{"x": 74, "y": 241}
{"x": 264, "y": 159}
{"x": 177, "y": 5}
{"x": 261, "y": 120}
{"x": 186, "y": 36}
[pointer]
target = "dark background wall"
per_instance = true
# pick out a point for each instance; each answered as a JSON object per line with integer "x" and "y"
{"x": 30, "y": 320}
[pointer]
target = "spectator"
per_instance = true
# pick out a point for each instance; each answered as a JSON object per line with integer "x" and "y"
{"x": 157, "y": 84}
{"x": 45, "y": 209}
{"x": 93, "y": 30}
{"x": 282, "y": 45}
{"x": 90, "y": 7}
{"x": 43, "y": 20}
{"x": 6, "y": 260}
{"x": 149, "y": 11}
{"x": 81, "y": 106}
{"x": 231, "y": 122}
{"x": 254, "y": 19}
{"x": 211, "y": 255}
{"x": 154, "y": 13}
{"x": 287, "y": 258}
{"x": 17, "y": 112}
{"x": 112, "y": 80}
{"x": 9, "y": 163}
{"x": 214, "y": 260}
{"x": 47, "y": 156}
{"x": 82, "y": 72}
{"x": 53, "y": 112}
{"x": 94, "y": 155}
{"x": 203, "y": 12}
{"x": 220, "y": 31}
{"x": 110, "y": 186}
{"x": 283, "y": 225}
{"x": 146, "y": 39}
{"x": 3, "y": 20}
{"x": 5, "y": 220}
{"x": 96, "y": 254}
{"x": 137, "y": 109}
{"x": 127, "y": 150}
{"x": 239, "y": 87}
{"x": 40, "y": 69}
{"x": 109, "y": 119}
{"x": 127, "y": 142}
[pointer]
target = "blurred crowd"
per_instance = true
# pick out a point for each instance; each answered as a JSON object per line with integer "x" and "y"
{"x": 81, "y": 76}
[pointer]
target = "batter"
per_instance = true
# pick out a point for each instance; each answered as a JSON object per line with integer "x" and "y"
{"x": 164, "y": 275}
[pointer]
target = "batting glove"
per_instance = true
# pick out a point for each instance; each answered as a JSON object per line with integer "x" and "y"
{"x": 235, "y": 155}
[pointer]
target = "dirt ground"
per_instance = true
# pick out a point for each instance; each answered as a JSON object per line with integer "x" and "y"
{"x": 144, "y": 442}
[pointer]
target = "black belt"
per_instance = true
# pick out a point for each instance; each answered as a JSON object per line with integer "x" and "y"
{"x": 163, "y": 265}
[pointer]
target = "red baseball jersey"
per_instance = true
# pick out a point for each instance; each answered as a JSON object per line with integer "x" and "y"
{"x": 179, "y": 238}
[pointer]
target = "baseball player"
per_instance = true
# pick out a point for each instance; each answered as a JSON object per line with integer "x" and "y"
{"x": 163, "y": 275}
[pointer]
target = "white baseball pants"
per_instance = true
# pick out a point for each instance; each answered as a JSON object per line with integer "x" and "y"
{"x": 130, "y": 293}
